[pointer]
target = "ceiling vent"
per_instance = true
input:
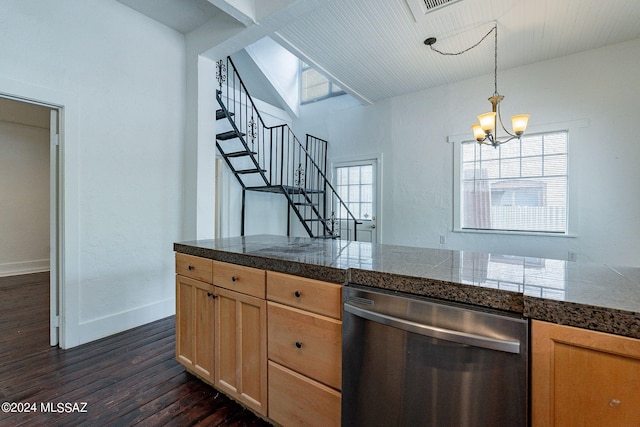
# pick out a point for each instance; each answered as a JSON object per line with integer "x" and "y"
{"x": 419, "y": 8}
{"x": 431, "y": 5}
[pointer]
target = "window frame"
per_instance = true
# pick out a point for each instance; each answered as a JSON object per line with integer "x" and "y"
{"x": 574, "y": 130}
{"x": 302, "y": 67}
{"x": 373, "y": 184}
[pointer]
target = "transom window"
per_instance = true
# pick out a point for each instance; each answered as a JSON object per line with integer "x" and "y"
{"x": 519, "y": 186}
{"x": 314, "y": 86}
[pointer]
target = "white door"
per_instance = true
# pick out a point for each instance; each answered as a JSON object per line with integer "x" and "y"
{"x": 357, "y": 185}
{"x": 54, "y": 137}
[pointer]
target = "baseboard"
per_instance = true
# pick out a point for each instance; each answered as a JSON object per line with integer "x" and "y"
{"x": 24, "y": 267}
{"x": 109, "y": 325}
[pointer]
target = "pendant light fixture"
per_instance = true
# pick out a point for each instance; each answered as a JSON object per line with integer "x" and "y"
{"x": 485, "y": 132}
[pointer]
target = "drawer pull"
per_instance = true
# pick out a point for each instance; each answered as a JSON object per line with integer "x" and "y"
{"x": 191, "y": 267}
{"x": 234, "y": 278}
{"x": 298, "y": 344}
{"x": 298, "y": 294}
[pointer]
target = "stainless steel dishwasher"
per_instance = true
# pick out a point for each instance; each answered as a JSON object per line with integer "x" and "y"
{"x": 417, "y": 362}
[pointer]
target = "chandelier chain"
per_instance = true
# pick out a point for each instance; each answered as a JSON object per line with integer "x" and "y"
{"x": 495, "y": 60}
{"x": 485, "y": 132}
{"x": 495, "y": 28}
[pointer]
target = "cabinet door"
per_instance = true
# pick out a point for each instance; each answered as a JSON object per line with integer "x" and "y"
{"x": 241, "y": 348}
{"x": 194, "y": 326}
{"x": 583, "y": 378}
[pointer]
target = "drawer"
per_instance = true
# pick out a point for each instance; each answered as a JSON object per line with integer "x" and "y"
{"x": 246, "y": 280}
{"x": 306, "y": 343}
{"x": 195, "y": 267}
{"x": 295, "y": 400}
{"x": 306, "y": 294}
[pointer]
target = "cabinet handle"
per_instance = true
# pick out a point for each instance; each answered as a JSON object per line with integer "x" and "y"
{"x": 234, "y": 278}
{"x": 614, "y": 402}
{"x": 298, "y": 344}
{"x": 298, "y": 294}
{"x": 214, "y": 296}
{"x": 191, "y": 267}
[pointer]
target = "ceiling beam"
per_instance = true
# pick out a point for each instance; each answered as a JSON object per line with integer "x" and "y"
{"x": 242, "y": 10}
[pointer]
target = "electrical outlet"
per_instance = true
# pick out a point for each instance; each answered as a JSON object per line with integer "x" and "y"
{"x": 443, "y": 239}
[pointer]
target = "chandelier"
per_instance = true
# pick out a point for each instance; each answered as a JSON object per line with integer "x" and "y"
{"x": 485, "y": 132}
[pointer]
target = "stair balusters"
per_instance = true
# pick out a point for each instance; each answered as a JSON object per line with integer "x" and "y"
{"x": 271, "y": 159}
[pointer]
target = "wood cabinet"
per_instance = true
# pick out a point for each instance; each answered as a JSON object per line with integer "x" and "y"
{"x": 305, "y": 351}
{"x": 306, "y": 294}
{"x": 307, "y": 343}
{"x": 194, "y": 267}
{"x": 582, "y": 377}
{"x": 295, "y": 400}
{"x": 221, "y": 327}
{"x": 241, "y": 348}
{"x": 241, "y": 334}
{"x": 245, "y": 280}
{"x": 281, "y": 358}
{"x": 194, "y": 322}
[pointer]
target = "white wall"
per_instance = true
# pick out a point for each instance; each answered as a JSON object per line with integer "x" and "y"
{"x": 121, "y": 80}
{"x": 24, "y": 192}
{"x": 200, "y": 146}
{"x": 601, "y": 86}
{"x": 280, "y": 67}
{"x": 265, "y": 213}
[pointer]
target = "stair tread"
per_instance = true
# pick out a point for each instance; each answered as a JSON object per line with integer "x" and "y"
{"x": 317, "y": 219}
{"x": 247, "y": 171}
{"x": 228, "y": 135}
{"x": 296, "y": 190}
{"x": 221, "y": 115}
{"x": 239, "y": 153}
{"x": 266, "y": 188}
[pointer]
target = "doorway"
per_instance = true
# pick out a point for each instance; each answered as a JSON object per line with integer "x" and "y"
{"x": 29, "y": 143}
{"x": 357, "y": 183}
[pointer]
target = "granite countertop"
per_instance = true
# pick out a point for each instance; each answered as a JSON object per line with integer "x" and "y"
{"x": 593, "y": 296}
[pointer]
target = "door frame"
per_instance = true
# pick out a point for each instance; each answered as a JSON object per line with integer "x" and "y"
{"x": 354, "y": 160}
{"x": 55, "y": 213}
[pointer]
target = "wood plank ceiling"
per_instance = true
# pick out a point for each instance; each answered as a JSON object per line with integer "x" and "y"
{"x": 374, "y": 48}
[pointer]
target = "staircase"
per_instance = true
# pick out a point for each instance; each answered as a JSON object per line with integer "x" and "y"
{"x": 272, "y": 159}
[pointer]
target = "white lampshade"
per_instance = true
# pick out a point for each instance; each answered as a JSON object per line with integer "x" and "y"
{"x": 478, "y": 133}
{"x": 519, "y": 123}
{"x": 487, "y": 122}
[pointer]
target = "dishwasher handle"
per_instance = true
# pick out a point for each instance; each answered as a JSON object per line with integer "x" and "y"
{"x": 436, "y": 332}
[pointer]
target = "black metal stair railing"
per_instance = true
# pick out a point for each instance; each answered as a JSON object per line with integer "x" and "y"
{"x": 271, "y": 158}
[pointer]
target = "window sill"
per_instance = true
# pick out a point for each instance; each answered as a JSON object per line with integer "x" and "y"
{"x": 516, "y": 233}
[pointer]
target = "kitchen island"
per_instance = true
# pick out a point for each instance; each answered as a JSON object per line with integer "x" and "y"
{"x": 591, "y": 296}
{"x": 283, "y": 293}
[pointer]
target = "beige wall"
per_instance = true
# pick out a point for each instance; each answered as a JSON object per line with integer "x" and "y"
{"x": 24, "y": 188}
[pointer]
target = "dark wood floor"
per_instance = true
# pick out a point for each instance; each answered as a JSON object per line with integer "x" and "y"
{"x": 127, "y": 379}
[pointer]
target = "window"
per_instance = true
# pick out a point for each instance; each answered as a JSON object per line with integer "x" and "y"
{"x": 355, "y": 186}
{"x": 314, "y": 86}
{"x": 519, "y": 186}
